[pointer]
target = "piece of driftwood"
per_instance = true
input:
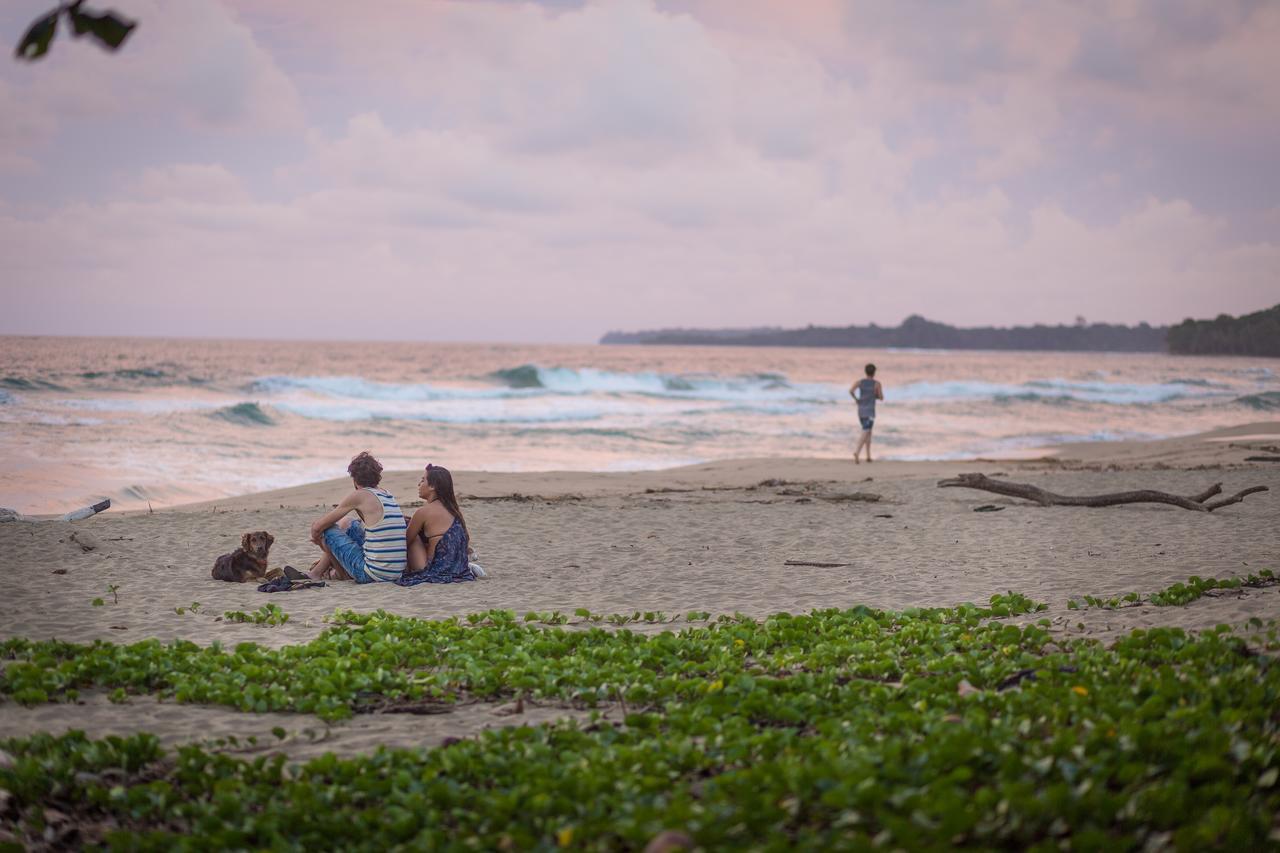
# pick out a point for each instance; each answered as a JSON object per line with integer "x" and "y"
{"x": 1262, "y": 459}
{"x": 1269, "y": 448}
{"x": 1044, "y": 498}
{"x": 867, "y": 497}
{"x": 815, "y": 565}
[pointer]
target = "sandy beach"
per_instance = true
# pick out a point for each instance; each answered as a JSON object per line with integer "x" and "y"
{"x": 716, "y": 537}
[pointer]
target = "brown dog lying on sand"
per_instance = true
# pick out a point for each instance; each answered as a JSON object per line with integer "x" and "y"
{"x": 248, "y": 562}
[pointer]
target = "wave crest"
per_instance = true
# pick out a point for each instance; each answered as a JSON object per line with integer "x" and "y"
{"x": 244, "y": 414}
{"x": 1264, "y": 401}
{"x": 19, "y": 383}
{"x": 588, "y": 380}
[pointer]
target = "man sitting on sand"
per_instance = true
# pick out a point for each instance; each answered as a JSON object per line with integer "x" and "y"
{"x": 366, "y": 555}
{"x": 866, "y": 392}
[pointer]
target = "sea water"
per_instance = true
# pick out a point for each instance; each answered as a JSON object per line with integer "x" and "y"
{"x": 171, "y": 421}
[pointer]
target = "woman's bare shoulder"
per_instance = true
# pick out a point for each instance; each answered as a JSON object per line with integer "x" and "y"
{"x": 435, "y": 511}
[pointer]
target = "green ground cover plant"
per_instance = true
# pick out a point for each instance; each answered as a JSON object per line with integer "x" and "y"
{"x": 1131, "y": 599}
{"x": 267, "y": 614}
{"x": 837, "y": 729}
{"x": 1196, "y": 587}
{"x": 1178, "y": 594}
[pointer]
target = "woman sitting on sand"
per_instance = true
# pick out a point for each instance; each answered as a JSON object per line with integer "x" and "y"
{"x": 437, "y": 536}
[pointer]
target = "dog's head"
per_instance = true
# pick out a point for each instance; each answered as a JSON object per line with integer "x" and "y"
{"x": 257, "y": 543}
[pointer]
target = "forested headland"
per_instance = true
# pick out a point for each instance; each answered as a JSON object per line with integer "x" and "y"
{"x": 917, "y": 332}
{"x": 1249, "y": 334}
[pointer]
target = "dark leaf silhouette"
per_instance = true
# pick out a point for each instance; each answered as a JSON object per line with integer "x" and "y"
{"x": 39, "y": 36}
{"x": 107, "y": 28}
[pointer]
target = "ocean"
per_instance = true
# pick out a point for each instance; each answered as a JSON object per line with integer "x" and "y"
{"x": 167, "y": 422}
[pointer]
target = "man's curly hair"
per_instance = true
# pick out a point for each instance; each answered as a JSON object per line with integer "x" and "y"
{"x": 365, "y": 470}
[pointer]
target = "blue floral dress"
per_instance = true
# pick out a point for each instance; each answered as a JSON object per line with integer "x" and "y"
{"x": 448, "y": 563}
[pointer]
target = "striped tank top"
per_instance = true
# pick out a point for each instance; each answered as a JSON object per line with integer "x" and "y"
{"x": 384, "y": 544}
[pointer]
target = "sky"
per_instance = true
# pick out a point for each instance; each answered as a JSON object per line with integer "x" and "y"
{"x": 476, "y": 170}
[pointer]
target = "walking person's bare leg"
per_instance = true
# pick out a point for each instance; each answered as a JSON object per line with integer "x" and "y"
{"x": 864, "y": 440}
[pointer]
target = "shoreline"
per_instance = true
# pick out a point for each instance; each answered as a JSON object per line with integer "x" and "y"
{"x": 1213, "y": 447}
{"x": 723, "y": 537}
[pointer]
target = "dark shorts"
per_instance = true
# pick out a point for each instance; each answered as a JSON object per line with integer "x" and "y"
{"x": 867, "y": 423}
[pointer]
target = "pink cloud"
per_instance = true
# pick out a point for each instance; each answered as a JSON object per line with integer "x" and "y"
{"x": 511, "y": 172}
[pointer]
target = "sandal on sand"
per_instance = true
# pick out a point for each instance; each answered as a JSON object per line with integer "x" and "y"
{"x": 294, "y": 575}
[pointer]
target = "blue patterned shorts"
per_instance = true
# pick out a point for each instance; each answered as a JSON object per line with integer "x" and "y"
{"x": 347, "y": 547}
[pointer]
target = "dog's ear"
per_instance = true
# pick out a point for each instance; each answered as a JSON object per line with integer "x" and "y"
{"x": 271, "y": 540}
{"x": 244, "y": 542}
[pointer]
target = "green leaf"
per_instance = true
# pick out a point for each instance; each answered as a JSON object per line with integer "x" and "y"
{"x": 35, "y": 43}
{"x": 108, "y": 28}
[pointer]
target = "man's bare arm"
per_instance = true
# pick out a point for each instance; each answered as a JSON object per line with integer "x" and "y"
{"x": 324, "y": 522}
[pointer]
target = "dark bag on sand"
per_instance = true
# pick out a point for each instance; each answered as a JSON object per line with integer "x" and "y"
{"x": 283, "y": 584}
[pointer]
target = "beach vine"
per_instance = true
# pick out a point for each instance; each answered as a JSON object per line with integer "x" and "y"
{"x": 1178, "y": 594}
{"x": 929, "y": 727}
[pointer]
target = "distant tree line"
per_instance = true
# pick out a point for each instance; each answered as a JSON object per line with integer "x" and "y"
{"x": 917, "y": 332}
{"x": 1251, "y": 334}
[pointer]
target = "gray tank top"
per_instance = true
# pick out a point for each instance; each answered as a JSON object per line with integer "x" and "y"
{"x": 867, "y": 398}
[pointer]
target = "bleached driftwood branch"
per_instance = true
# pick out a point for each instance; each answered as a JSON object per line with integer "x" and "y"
{"x": 1045, "y": 498}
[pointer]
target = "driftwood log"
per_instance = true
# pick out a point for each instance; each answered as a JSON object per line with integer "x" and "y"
{"x": 1044, "y": 498}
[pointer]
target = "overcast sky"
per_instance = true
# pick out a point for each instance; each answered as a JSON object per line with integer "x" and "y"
{"x": 500, "y": 171}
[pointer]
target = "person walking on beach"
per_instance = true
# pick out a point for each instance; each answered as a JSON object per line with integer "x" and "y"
{"x": 866, "y": 391}
{"x": 370, "y": 549}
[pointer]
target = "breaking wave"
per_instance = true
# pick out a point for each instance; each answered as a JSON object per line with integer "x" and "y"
{"x": 19, "y": 383}
{"x": 1265, "y": 401}
{"x": 244, "y": 414}
{"x": 528, "y": 380}
{"x": 132, "y": 373}
{"x": 566, "y": 380}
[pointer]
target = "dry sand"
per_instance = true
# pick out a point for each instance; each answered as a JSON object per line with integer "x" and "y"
{"x": 712, "y": 537}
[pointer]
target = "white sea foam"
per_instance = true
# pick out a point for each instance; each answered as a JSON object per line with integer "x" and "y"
{"x": 1057, "y": 389}
{"x": 356, "y": 388}
{"x": 533, "y": 381}
{"x": 139, "y": 405}
{"x": 464, "y": 411}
